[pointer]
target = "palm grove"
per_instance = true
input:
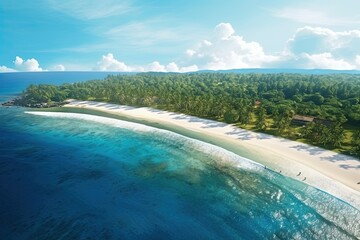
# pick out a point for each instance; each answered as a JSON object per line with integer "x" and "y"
{"x": 260, "y": 102}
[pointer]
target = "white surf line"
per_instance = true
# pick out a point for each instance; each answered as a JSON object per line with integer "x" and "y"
{"x": 318, "y": 180}
{"x": 213, "y": 150}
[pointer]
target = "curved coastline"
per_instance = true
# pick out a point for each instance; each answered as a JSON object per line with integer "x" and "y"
{"x": 328, "y": 171}
{"x": 225, "y": 156}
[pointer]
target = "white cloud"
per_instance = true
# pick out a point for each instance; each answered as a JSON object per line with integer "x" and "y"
{"x": 190, "y": 52}
{"x": 309, "y": 47}
{"x": 172, "y": 67}
{"x": 191, "y": 68}
{"x": 224, "y": 30}
{"x": 311, "y": 16}
{"x": 323, "y": 48}
{"x": 6, "y": 69}
{"x": 58, "y": 67}
{"x": 109, "y": 63}
{"x": 326, "y": 61}
{"x": 29, "y": 65}
{"x": 156, "y": 67}
{"x": 228, "y": 51}
{"x": 18, "y": 60}
{"x": 318, "y": 40}
{"x": 206, "y": 43}
{"x": 357, "y": 61}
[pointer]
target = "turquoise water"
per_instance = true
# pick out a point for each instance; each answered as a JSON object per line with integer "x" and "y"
{"x": 75, "y": 176}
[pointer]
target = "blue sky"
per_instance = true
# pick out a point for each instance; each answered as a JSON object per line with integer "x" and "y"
{"x": 183, "y": 35}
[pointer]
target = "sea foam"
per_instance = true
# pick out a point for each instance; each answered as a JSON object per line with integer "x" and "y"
{"x": 279, "y": 191}
{"x": 218, "y": 153}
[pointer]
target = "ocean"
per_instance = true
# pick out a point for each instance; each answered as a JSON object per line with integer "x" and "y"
{"x": 78, "y": 176}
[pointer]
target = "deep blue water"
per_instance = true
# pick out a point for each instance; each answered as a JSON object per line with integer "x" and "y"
{"x": 70, "y": 178}
{"x": 14, "y": 83}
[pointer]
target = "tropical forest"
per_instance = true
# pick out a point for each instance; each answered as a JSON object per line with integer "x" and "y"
{"x": 322, "y": 110}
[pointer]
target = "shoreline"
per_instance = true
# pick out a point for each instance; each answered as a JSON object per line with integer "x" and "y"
{"x": 328, "y": 171}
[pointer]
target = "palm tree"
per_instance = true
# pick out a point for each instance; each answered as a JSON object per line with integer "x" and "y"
{"x": 261, "y": 118}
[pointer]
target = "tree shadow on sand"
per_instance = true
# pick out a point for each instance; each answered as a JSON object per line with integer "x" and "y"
{"x": 346, "y": 166}
{"x": 241, "y": 134}
{"x": 206, "y": 123}
{"x": 339, "y": 157}
{"x": 310, "y": 149}
{"x": 105, "y": 105}
{"x": 263, "y": 136}
{"x": 156, "y": 111}
{"x": 214, "y": 125}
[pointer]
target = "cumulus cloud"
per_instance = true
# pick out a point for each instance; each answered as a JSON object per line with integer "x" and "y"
{"x": 309, "y": 47}
{"x": 190, "y": 52}
{"x": 6, "y": 69}
{"x": 226, "y": 50}
{"x": 109, "y": 63}
{"x": 318, "y": 40}
{"x": 191, "y": 68}
{"x": 358, "y": 61}
{"x": 324, "y": 48}
{"x": 224, "y": 30}
{"x": 156, "y": 67}
{"x": 29, "y": 65}
{"x": 58, "y": 68}
{"x": 326, "y": 60}
{"x": 172, "y": 67}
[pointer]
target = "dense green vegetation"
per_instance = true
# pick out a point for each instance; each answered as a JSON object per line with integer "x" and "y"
{"x": 260, "y": 102}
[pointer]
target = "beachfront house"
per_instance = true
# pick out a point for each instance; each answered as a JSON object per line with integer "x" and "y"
{"x": 301, "y": 120}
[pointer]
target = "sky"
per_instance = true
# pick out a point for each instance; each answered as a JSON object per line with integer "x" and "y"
{"x": 178, "y": 36}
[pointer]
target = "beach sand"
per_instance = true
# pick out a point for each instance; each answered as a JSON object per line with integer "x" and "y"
{"x": 331, "y": 172}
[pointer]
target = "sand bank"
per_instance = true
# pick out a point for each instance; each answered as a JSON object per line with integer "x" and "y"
{"x": 334, "y": 173}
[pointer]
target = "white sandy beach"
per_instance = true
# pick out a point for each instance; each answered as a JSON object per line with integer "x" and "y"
{"x": 334, "y": 173}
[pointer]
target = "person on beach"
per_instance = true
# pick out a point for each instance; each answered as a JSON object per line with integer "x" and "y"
{"x": 304, "y": 179}
{"x": 299, "y": 174}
